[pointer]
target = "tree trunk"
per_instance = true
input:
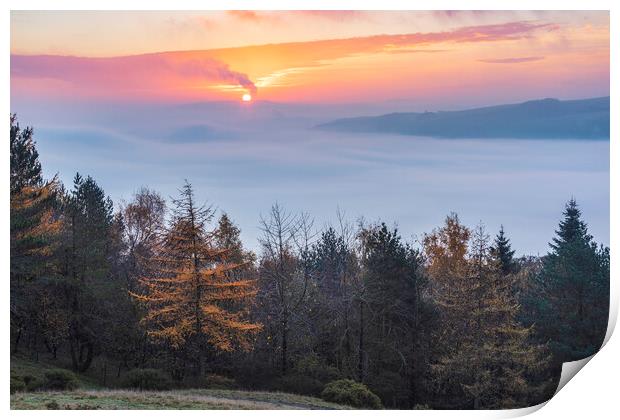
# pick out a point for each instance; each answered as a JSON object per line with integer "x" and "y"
{"x": 284, "y": 344}
{"x": 360, "y": 365}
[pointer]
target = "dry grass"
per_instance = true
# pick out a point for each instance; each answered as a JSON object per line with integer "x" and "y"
{"x": 165, "y": 400}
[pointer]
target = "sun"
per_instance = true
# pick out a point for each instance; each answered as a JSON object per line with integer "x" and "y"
{"x": 246, "y": 97}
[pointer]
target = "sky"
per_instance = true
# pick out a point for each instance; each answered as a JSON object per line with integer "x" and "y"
{"x": 152, "y": 98}
{"x": 309, "y": 56}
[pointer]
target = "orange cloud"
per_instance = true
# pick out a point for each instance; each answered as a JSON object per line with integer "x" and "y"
{"x": 244, "y": 15}
{"x": 208, "y": 73}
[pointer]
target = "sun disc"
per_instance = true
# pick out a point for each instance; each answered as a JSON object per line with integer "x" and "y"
{"x": 246, "y": 97}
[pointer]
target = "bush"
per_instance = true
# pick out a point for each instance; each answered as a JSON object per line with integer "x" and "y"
{"x": 60, "y": 379}
{"x": 299, "y": 384}
{"x": 348, "y": 392}
{"x": 147, "y": 379}
{"x": 17, "y": 384}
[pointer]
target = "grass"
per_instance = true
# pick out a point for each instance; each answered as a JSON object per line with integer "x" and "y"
{"x": 196, "y": 399}
{"x": 91, "y": 395}
{"x": 21, "y": 366}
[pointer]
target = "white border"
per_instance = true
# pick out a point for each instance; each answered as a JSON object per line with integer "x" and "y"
{"x": 592, "y": 395}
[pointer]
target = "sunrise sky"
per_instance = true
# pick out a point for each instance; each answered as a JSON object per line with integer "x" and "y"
{"x": 152, "y": 98}
{"x": 310, "y": 56}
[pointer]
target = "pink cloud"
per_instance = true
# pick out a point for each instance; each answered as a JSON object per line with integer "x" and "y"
{"x": 148, "y": 74}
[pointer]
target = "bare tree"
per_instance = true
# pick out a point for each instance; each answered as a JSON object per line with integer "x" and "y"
{"x": 284, "y": 268}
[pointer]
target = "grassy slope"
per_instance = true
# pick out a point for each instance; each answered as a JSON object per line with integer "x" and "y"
{"x": 93, "y": 396}
{"x": 196, "y": 399}
{"x": 23, "y": 366}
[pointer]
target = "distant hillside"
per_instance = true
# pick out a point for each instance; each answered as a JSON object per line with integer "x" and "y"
{"x": 539, "y": 119}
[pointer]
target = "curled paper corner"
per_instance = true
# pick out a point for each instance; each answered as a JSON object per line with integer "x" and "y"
{"x": 569, "y": 370}
{"x": 520, "y": 412}
{"x": 613, "y": 318}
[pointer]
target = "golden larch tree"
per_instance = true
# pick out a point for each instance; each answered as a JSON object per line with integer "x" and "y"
{"x": 487, "y": 357}
{"x": 188, "y": 286}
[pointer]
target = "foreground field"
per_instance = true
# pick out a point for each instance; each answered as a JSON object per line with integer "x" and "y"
{"x": 175, "y": 400}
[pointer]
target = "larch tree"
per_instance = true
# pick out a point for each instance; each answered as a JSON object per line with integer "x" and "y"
{"x": 187, "y": 286}
{"x": 487, "y": 356}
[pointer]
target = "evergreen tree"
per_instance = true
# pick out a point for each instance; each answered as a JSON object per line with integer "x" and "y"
{"x": 86, "y": 258}
{"x": 25, "y": 165}
{"x": 574, "y": 306}
{"x": 571, "y": 228}
{"x": 334, "y": 274}
{"x": 503, "y": 253}
{"x": 187, "y": 286}
{"x": 34, "y": 228}
{"x": 227, "y": 236}
{"x": 399, "y": 319}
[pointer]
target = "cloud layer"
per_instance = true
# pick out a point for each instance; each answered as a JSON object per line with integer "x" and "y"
{"x": 150, "y": 74}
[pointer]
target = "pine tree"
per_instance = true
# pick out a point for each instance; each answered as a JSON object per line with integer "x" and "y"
{"x": 34, "y": 224}
{"x": 85, "y": 264}
{"x": 398, "y": 325}
{"x": 25, "y": 165}
{"x": 187, "y": 286}
{"x": 571, "y": 228}
{"x": 574, "y": 305}
{"x": 503, "y": 253}
{"x": 34, "y": 227}
{"x": 334, "y": 269}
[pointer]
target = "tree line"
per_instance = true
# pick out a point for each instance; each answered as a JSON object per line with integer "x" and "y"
{"x": 454, "y": 321}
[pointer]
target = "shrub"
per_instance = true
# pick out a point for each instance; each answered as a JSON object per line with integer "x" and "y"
{"x": 147, "y": 379}
{"x": 348, "y": 392}
{"x": 299, "y": 384}
{"x": 17, "y": 384}
{"x": 59, "y": 379}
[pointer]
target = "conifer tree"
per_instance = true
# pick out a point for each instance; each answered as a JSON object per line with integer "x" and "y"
{"x": 25, "y": 165}
{"x": 398, "y": 323}
{"x": 503, "y": 253}
{"x": 487, "y": 356}
{"x": 574, "y": 306}
{"x": 86, "y": 258}
{"x": 334, "y": 276}
{"x": 187, "y": 286}
{"x": 33, "y": 221}
{"x": 34, "y": 227}
{"x": 227, "y": 236}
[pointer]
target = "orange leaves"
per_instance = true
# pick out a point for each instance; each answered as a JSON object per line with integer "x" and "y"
{"x": 190, "y": 290}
